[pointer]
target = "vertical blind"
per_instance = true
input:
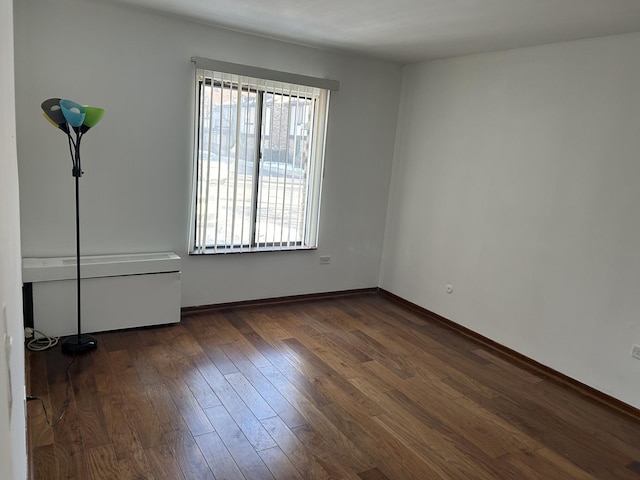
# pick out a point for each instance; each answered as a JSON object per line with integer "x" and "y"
{"x": 259, "y": 147}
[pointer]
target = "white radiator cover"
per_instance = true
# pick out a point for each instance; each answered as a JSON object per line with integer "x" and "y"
{"x": 118, "y": 291}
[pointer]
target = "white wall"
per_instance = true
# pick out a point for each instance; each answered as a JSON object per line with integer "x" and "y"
{"x": 13, "y": 455}
{"x": 135, "y": 192}
{"x": 515, "y": 178}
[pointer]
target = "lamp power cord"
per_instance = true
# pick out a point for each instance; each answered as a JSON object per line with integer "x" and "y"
{"x": 65, "y": 406}
{"x": 39, "y": 343}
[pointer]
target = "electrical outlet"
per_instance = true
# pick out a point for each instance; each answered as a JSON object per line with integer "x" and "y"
{"x": 325, "y": 259}
{"x": 635, "y": 352}
{"x": 28, "y": 332}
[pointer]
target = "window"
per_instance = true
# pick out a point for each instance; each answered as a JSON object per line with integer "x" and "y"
{"x": 259, "y": 148}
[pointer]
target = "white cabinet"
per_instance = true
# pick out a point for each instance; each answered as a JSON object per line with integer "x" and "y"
{"x": 117, "y": 291}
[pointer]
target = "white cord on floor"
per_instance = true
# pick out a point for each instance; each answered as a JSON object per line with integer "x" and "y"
{"x": 44, "y": 342}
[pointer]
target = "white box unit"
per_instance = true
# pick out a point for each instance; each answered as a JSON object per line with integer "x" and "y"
{"x": 117, "y": 291}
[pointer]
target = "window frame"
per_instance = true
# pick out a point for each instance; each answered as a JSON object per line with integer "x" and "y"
{"x": 313, "y": 186}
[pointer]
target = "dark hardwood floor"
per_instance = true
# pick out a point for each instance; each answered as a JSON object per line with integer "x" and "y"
{"x": 350, "y": 388}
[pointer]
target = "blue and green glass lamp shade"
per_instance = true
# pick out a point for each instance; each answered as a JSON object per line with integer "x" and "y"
{"x": 63, "y": 113}
{"x": 72, "y": 118}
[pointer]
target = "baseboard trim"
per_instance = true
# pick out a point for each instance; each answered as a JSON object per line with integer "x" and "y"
{"x": 520, "y": 359}
{"x": 278, "y": 300}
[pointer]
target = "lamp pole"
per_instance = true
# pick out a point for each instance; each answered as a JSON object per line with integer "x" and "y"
{"x": 81, "y": 342}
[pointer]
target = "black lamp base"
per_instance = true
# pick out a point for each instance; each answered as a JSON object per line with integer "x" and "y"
{"x": 79, "y": 344}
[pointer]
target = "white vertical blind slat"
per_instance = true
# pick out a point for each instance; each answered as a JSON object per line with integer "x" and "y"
{"x": 293, "y": 94}
{"x": 205, "y": 219}
{"x": 235, "y": 162}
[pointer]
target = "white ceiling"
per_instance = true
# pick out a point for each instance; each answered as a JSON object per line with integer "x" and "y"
{"x": 412, "y": 30}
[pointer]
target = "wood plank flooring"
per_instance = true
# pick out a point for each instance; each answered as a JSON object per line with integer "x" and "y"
{"x": 357, "y": 388}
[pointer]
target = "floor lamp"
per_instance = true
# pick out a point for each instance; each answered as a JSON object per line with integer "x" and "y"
{"x": 75, "y": 120}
